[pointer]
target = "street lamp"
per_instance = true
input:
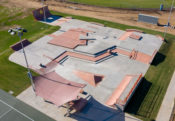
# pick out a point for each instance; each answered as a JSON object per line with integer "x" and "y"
{"x": 20, "y": 32}
{"x": 169, "y": 17}
{"x": 42, "y": 2}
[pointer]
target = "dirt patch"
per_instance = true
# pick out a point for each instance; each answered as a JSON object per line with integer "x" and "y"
{"x": 127, "y": 17}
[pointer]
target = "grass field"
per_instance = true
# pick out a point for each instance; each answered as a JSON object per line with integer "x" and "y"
{"x": 126, "y": 3}
{"x": 13, "y": 77}
{"x": 148, "y": 97}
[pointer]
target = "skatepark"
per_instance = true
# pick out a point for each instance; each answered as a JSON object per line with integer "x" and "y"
{"x": 110, "y": 62}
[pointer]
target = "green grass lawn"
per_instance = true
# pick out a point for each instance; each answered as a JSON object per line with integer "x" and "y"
{"x": 13, "y": 77}
{"x": 149, "y": 95}
{"x": 126, "y": 3}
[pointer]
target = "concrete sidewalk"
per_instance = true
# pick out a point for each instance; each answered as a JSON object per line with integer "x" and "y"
{"x": 168, "y": 102}
{"x": 94, "y": 111}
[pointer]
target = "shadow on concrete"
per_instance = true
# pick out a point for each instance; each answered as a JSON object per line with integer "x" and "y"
{"x": 51, "y": 18}
{"x": 140, "y": 38}
{"x": 163, "y": 25}
{"x": 114, "y": 54}
{"x": 94, "y": 111}
{"x": 159, "y": 58}
{"x": 138, "y": 97}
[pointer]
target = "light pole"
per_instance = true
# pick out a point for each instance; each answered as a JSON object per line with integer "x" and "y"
{"x": 169, "y": 17}
{"x": 42, "y": 2}
{"x": 20, "y": 32}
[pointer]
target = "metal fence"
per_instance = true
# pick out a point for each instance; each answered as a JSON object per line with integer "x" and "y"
{"x": 147, "y": 19}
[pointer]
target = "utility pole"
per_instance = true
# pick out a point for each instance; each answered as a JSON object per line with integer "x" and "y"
{"x": 42, "y": 2}
{"x": 169, "y": 17}
{"x": 20, "y": 32}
